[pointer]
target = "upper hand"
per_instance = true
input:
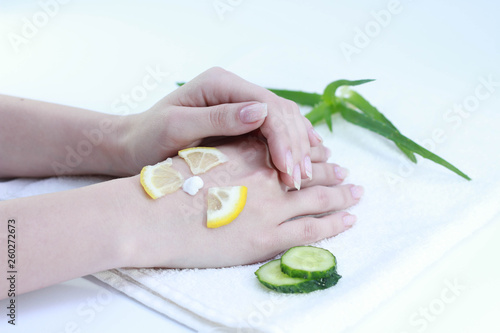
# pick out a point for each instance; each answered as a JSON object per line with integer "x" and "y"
{"x": 219, "y": 103}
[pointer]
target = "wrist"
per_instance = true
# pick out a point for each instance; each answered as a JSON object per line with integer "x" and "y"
{"x": 138, "y": 221}
{"x": 154, "y": 231}
{"x": 115, "y": 131}
{"x": 94, "y": 144}
{"x": 129, "y": 213}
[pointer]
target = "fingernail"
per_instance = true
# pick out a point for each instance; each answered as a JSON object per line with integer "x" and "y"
{"x": 349, "y": 220}
{"x": 254, "y": 112}
{"x": 341, "y": 172}
{"x": 316, "y": 135}
{"x": 289, "y": 163}
{"x": 296, "y": 177}
{"x": 308, "y": 166}
{"x": 357, "y": 192}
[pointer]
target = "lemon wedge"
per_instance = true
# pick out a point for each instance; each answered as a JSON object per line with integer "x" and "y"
{"x": 202, "y": 159}
{"x": 225, "y": 204}
{"x": 160, "y": 179}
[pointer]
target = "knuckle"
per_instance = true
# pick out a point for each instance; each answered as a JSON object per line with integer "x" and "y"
{"x": 310, "y": 231}
{"x": 307, "y": 122}
{"x": 215, "y": 71}
{"x": 218, "y": 117}
{"x": 266, "y": 177}
{"x": 290, "y": 107}
{"x": 264, "y": 243}
{"x": 277, "y": 126}
{"x": 331, "y": 178}
{"x": 344, "y": 197}
{"x": 323, "y": 199}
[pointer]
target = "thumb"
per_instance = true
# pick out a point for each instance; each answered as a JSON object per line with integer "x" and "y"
{"x": 223, "y": 119}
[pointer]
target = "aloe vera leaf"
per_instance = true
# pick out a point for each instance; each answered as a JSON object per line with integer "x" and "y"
{"x": 328, "y": 117}
{"x": 299, "y": 97}
{"x": 364, "y": 106}
{"x": 362, "y": 120}
{"x": 321, "y": 111}
{"x": 361, "y": 103}
{"x": 317, "y": 113}
{"x": 329, "y": 92}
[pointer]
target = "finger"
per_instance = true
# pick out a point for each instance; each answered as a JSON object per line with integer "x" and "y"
{"x": 325, "y": 174}
{"x": 218, "y": 120}
{"x": 320, "y": 154}
{"x": 314, "y": 138}
{"x": 299, "y": 138}
{"x": 217, "y": 86}
{"x": 288, "y": 140}
{"x": 308, "y": 230}
{"x": 321, "y": 199}
{"x": 287, "y": 180}
{"x": 303, "y": 146}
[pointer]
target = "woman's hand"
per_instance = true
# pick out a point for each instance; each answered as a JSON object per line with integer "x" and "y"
{"x": 171, "y": 231}
{"x": 216, "y": 103}
{"x": 219, "y": 103}
{"x": 116, "y": 224}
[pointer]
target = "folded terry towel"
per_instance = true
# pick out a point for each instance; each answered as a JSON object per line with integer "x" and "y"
{"x": 409, "y": 217}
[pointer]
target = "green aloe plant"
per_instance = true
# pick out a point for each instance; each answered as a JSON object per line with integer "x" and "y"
{"x": 355, "y": 109}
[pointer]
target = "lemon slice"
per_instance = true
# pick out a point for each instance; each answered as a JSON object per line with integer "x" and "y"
{"x": 202, "y": 159}
{"x": 160, "y": 179}
{"x": 225, "y": 204}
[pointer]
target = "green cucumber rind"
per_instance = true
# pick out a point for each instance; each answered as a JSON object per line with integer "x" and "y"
{"x": 301, "y": 286}
{"x": 305, "y": 287}
{"x": 307, "y": 274}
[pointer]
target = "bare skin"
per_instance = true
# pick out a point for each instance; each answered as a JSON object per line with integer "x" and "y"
{"x": 77, "y": 141}
{"x": 69, "y": 234}
{"x": 115, "y": 223}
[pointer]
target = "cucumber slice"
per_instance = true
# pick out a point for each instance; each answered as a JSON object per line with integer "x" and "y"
{"x": 308, "y": 262}
{"x": 271, "y": 276}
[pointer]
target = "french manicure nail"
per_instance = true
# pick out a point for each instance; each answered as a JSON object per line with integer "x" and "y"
{"x": 308, "y": 167}
{"x": 296, "y": 177}
{"x": 341, "y": 172}
{"x": 349, "y": 220}
{"x": 316, "y": 135}
{"x": 253, "y": 112}
{"x": 289, "y": 163}
{"x": 357, "y": 192}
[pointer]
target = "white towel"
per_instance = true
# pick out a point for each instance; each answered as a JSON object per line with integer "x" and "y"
{"x": 407, "y": 219}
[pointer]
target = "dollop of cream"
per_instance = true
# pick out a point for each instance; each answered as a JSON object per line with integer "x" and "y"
{"x": 192, "y": 185}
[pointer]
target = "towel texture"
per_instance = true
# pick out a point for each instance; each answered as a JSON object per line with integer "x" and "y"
{"x": 409, "y": 217}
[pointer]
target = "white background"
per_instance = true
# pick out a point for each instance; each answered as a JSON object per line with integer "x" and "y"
{"x": 425, "y": 56}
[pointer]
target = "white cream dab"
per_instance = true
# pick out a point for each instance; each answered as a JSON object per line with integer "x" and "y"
{"x": 192, "y": 185}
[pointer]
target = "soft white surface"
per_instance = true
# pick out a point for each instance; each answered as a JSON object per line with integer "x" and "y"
{"x": 428, "y": 58}
{"x": 473, "y": 307}
{"x": 399, "y": 233}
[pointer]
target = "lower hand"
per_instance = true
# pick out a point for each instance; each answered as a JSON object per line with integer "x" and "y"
{"x": 171, "y": 231}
